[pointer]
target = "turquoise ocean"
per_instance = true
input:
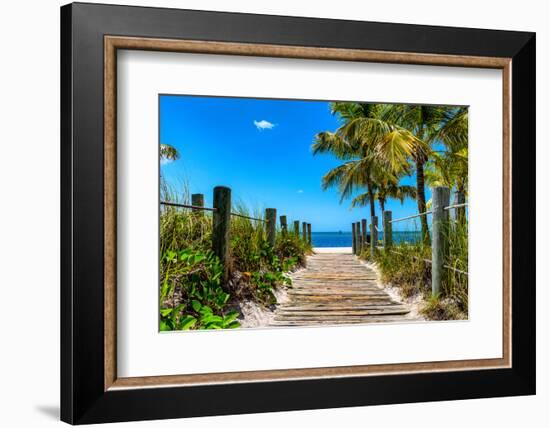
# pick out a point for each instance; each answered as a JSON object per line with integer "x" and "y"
{"x": 343, "y": 239}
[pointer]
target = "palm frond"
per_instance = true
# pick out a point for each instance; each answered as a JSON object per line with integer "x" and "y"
{"x": 169, "y": 152}
{"x": 331, "y": 142}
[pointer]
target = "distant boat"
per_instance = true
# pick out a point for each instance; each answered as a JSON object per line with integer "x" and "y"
{"x": 340, "y": 232}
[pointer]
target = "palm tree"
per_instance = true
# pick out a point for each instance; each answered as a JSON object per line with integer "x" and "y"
{"x": 429, "y": 124}
{"x": 357, "y": 171}
{"x": 168, "y": 152}
{"x": 353, "y": 173}
{"x": 370, "y": 146}
{"x": 390, "y": 137}
{"x": 448, "y": 169}
{"x": 390, "y": 190}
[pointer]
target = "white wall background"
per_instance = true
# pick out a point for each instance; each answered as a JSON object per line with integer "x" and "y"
{"x": 29, "y": 214}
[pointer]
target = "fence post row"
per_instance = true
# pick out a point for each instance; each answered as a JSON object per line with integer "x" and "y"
{"x": 359, "y": 241}
{"x": 221, "y": 220}
{"x": 353, "y": 239}
{"x": 388, "y": 237}
{"x": 364, "y": 239}
{"x": 440, "y": 221}
{"x": 304, "y": 231}
{"x": 309, "y": 233}
{"x": 282, "y": 219}
{"x": 358, "y": 238}
{"x": 373, "y": 234}
{"x": 271, "y": 225}
{"x": 297, "y": 227}
{"x": 197, "y": 200}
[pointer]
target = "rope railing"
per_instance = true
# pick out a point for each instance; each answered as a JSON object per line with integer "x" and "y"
{"x": 193, "y": 207}
{"x": 451, "y": 207}
{"x": 441, "y": 260}
{"x": 430, "y": 262}
{"x": 248, "y": 218}
{"x": 411, "y": 216}
{"x": 199, "y": 207}
{"x": 414, "y": 257}
{"x": 221, "y": 224}
{"x": 463, "y": 272}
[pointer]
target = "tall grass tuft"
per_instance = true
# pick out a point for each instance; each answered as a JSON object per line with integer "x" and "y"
{"x": 407, "y": 266}
{"x": 455, "y": 284}
{"x": 192, "y": 294}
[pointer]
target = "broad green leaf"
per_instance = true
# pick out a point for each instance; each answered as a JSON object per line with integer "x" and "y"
{"x": 166, "y": 311}
{"x": 234, "y": 324}
{"x": 196, "y": 305}
{"x": 187, "y": 322}
{"x": 164, "y": 326}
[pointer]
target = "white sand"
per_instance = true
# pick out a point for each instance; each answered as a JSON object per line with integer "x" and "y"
{"x": 255, "y": 315}
{"x": 332, "y": 250}
{"x": 415, "y": 303}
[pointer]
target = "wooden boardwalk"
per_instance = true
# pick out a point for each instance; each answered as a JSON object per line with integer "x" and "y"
{"x": 336, "y": 288}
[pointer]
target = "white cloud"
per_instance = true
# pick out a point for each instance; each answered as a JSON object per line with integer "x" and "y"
{"x": 164, "y": 161}
{"x": 300, "y": 191}
{"x": 263, "y": 124}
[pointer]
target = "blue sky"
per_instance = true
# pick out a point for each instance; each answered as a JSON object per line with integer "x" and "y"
{"x": 261, "y": 149}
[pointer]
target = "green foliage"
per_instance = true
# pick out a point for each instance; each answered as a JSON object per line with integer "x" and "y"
{"x": 379, "y": 144}
{"x": 190, "y": 288}
{"x": 404, "y": 265}
{"x": 407, "y": 267}
{"x": 437, "y": 308}
{"x": 192, "y": 295}
{"x": 455, "y": 284}
{"x": 292, "y": 250}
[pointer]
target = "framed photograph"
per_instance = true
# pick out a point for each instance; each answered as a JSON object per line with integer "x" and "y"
{"x": 266, "y": 213}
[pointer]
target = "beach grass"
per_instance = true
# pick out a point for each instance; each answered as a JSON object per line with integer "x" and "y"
{"x": 192, "y": 293}
{"x": 408, "y": 267}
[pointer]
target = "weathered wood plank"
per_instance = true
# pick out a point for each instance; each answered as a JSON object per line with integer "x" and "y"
{"x": 337, "y": 289}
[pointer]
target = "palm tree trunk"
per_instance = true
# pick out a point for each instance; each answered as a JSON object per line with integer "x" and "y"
{"x": 382, "y": 205}
{"x": 371, "y": 200}
{"x": 421, "y": 200}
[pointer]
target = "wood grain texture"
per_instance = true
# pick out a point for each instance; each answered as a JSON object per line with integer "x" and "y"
{"x": 112, "y": 43}
{"x": 110, "y": 221}
{"x": 302, "y": 52}
{"x": 336, "y": 289}
{"x": 507, "y": 213}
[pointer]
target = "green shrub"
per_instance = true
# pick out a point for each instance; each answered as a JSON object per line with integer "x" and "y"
{"x": 437, "y": 308}
{"x": 404, "y": 266}
{"x": 408, "y": 267}
{"x": 192, "y": 295}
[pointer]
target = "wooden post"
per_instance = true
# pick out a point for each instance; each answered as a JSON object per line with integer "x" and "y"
{"x": 364, "y": 233}
{"x": 271, "y": 225}
{"x": 220, "y": 227}
{"x": 353, "y": 239}
{"x": 197, "y": 200}
{"x": 297, "y": 227}
{"x": 358, "y": 243}
{"x": 388, "y": 236}
{"x": 309, "y": 233}
{"x": 460, "y": 213}
{"x": 282, "y": 219}
{"x": 373, "y": 234}
{"x": 440, "y": 222}
{"x": 304, "y": 231}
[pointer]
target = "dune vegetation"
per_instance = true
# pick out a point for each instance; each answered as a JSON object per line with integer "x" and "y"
{"x": 379, "y": 146}
{"x": 192, "y": 293}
